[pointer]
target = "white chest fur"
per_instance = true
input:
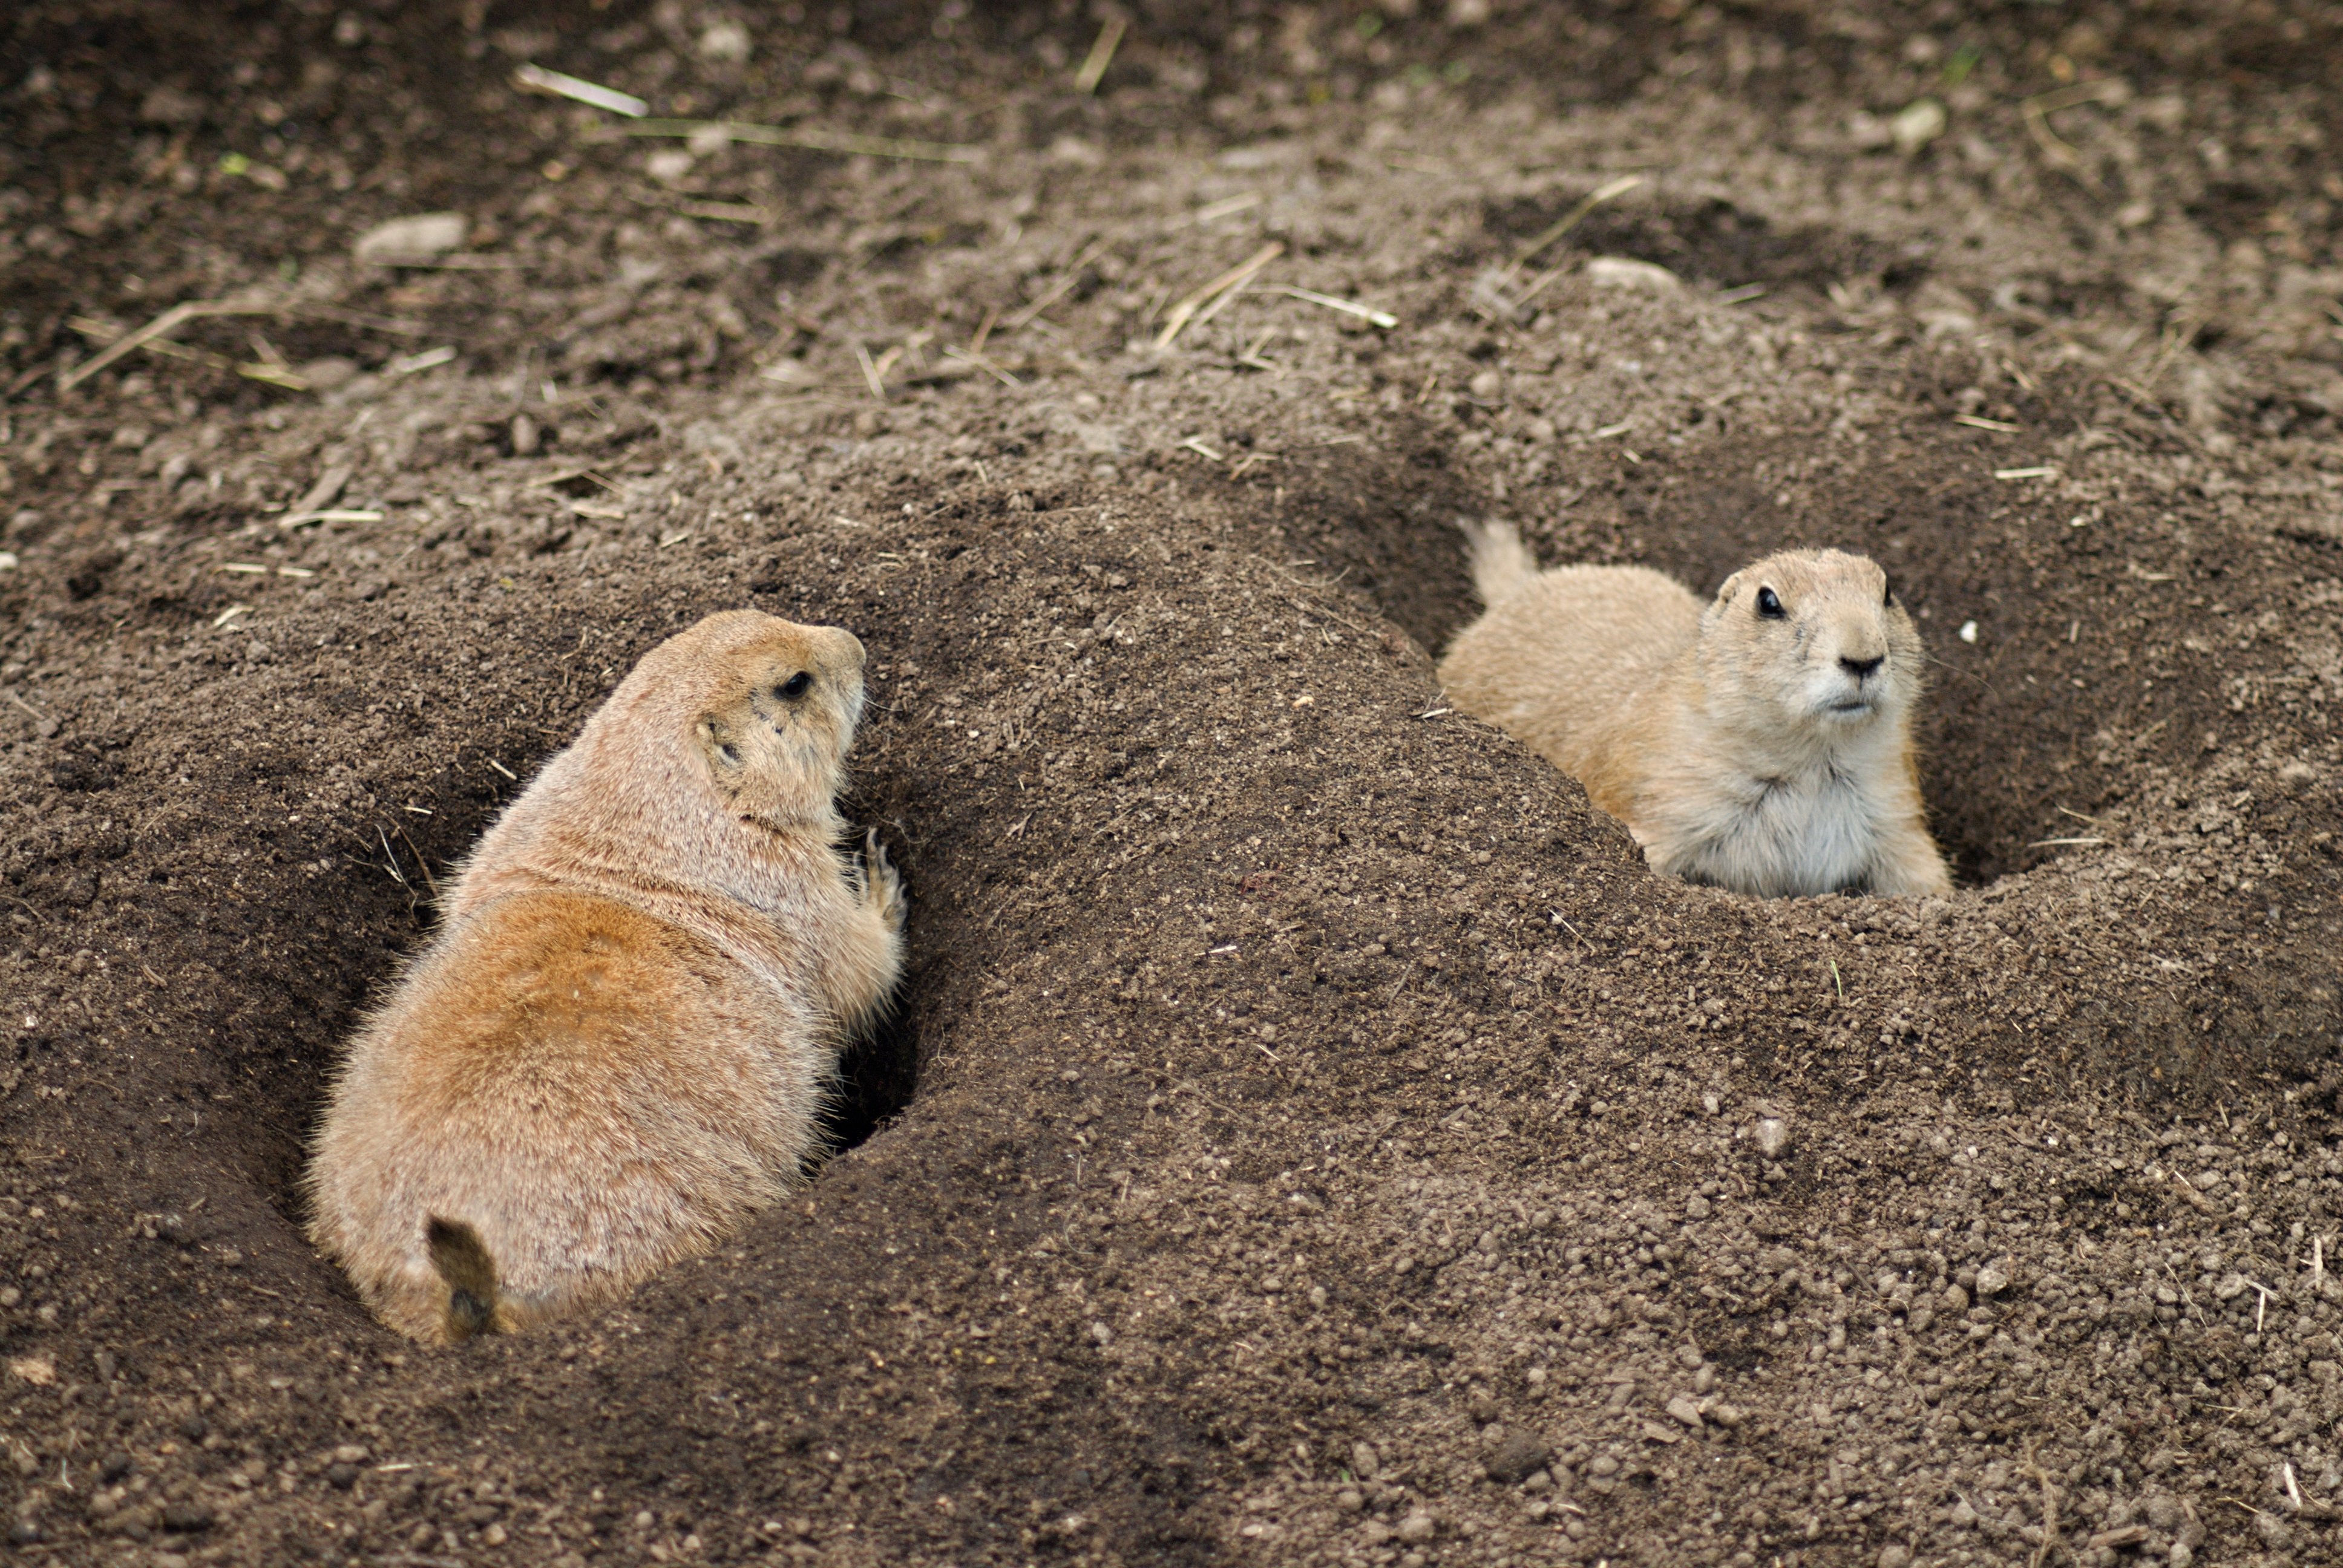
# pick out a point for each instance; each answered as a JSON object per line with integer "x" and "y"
{"x": 1810, "y": 828}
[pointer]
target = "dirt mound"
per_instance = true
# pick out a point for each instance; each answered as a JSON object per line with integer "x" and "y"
{"x": 1310, "y": 1134}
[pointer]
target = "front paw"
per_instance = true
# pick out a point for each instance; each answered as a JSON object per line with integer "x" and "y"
{"x": 881, "y": 885}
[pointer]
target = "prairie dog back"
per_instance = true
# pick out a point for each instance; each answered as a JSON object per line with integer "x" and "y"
{"x": 1557, "y": 652}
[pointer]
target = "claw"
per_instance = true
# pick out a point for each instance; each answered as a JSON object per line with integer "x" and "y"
{"x": 881, "y": 876}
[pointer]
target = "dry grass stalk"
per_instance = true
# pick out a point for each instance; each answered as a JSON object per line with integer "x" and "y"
{"x": 1382, "y": 318}
{"x": 2049, "y": 1510}
{"x": 1101, "y": 56}
{"x": 407, "y": 365}
{"x": 870, "y": 376}
{"x": 985, "y": 364}
{"x": 1219, "y": 209}
{"x": 1183, "y": 312}
{"x": 162, "y": 326}
{"x": 99, "y": 331}
{"x": 1573, "y": 218}
{"x": 728, "y": 212}
{"x": 154, "y": 335}
{"x": 2035, "y": 113}
{"x": 844, "y": 143}
{"x": 533, "y": 78}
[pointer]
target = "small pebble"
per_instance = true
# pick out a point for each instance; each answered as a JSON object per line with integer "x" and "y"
{"x": 1417, "y": 1528}
{"x": 1514, "y": 1457}
{"x": 1773, "y": 1136}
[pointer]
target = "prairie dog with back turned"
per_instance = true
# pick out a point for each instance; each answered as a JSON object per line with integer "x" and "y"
{"x": 1762, "y": 743}
{"x": 616, "y": 1047}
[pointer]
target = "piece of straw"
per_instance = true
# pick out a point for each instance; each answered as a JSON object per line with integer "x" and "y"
{"x": 1572, "y": 218}
{"x": 536, "y": 79}
{"x": 1101, "y": 56}
{"x": 170, "y": 321}
{"x": 1382, "y": 318}
{"x": 840, "y": 142}
{"x": 1183, "y": 312}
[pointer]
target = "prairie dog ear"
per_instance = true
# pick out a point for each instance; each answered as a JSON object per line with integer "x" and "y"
{"x": 718, "y": 745}
{"x": 1731, "y": 586}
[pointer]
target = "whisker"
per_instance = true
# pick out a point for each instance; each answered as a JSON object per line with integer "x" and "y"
{"x": 1980, "y": 680}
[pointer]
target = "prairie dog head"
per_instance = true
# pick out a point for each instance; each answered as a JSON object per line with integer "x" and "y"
{"x": 771, "y": 708}
{"x": 1814, "y": 640}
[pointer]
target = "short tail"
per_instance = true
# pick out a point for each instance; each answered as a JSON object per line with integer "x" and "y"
{"x": 1502, "y": 565}
{"x": 470, "y": 1275}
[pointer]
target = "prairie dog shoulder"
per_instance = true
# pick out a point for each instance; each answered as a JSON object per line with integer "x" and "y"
{"x": 1762, "y": 742}
{"x": 616, "y": 1047}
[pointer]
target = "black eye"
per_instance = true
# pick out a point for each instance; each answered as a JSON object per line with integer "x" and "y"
{"x": 1769, "y": 604}
{"x": 795, "y": 687}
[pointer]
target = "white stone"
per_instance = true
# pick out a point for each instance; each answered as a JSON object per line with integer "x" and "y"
{"x": 1621, "y": 272}
{"x": 422, "y": 234}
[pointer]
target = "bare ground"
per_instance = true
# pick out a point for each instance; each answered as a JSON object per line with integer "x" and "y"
{"x": 1310, "y": 1136}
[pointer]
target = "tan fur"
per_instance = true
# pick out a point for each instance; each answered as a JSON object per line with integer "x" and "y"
{"x": 1740, "y": 750}
{"x": 616, "y": 1046}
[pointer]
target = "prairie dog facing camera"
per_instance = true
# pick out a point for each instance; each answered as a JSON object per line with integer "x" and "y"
{"x": 618, "y": 1044}
{"x": 1761, "y": 743}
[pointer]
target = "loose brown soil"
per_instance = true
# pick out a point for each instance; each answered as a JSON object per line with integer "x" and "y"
{"x": 1311, "y": 1135}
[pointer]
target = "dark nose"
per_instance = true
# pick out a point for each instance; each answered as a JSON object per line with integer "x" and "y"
{"x": 1859, "y": 668}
